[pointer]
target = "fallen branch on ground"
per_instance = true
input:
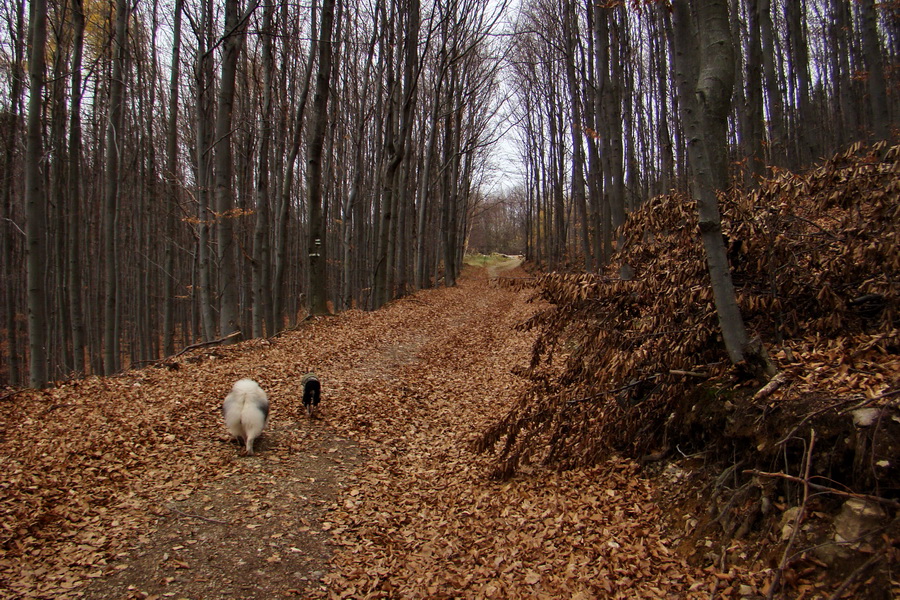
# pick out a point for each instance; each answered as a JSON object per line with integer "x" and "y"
{"x": 771, "y": 387}
{"x": 209, "y": 343}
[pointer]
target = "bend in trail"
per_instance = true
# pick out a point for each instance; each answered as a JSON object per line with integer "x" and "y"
{"x": 382, "y": 497}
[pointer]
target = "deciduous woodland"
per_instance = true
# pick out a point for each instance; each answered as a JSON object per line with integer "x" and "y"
{"x": 689, "y": 390}
{"x": 176, "y": 172}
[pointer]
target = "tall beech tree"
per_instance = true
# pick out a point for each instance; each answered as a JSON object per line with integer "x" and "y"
{"x": 318, "y": 124}
{"x": 114, "y": 143}
{"x": 170, "y": 176}
{"x": 203, "y": 130}
{"x": 261, "y": 270}
{"x": 74, "y": 276}
{"x": 35, "y": 202}
{"x": 11, "y": 129}
{"x": 704, "y": 63}
{"x": 232, "y": 44}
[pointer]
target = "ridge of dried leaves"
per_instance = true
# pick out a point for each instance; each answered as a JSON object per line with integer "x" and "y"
{"x": 93, "y": 468}
{"x": 817, "y": 269}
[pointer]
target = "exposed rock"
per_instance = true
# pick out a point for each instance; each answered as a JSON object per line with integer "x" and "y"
{"x": 857, "y": 519}
{"x": 865, "y": 417}
{"x": 788, "y": 522}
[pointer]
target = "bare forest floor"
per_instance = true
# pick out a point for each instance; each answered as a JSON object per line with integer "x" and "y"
{"x": 128, "y": 487}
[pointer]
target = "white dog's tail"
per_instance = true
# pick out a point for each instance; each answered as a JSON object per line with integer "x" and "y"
{"x": 246, "y": 411}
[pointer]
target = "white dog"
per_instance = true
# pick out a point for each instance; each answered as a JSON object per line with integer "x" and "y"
{"x": 246, "y": 411}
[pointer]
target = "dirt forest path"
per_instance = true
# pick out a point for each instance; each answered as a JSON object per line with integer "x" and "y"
{"x": 130, "y": 489}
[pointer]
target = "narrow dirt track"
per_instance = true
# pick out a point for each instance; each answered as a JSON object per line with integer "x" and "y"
{"x": 380, "y": 498}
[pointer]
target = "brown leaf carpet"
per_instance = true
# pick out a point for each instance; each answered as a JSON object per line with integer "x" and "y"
{"x": 127, "y": 487}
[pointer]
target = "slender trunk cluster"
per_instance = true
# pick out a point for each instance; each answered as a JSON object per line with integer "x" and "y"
{"x": 288, "y": 159}
{"x": 809, "y": 78}
{"x": 245, "y": 164}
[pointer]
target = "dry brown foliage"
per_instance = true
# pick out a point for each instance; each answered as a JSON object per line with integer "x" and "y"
{"x": 816, "y": 264}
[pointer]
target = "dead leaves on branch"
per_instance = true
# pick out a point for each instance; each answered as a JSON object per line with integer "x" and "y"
{"x": 816, "y": 264}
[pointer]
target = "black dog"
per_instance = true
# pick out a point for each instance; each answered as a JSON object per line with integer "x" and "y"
{"x": 312, "y": 393}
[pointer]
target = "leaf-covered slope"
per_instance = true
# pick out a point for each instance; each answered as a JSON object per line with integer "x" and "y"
{"x": 817, "y": 268}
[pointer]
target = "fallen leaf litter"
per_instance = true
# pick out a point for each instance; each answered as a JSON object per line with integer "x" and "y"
{"x": 382, "y": 497}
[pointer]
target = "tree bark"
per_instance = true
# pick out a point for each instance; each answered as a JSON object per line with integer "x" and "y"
{"x": 407, "y": 118}
{"x": 424, "y": 190}
{"x": 318, "y": 123}
{"x": 58, "y": 228}
{"x": 76, "y": 318}
{"x": 704, "y": 65}
{"x": 872, "y": 53}
{"x": 613, "y": 210}
{"x": 579, "y": 195}
{"x": 172, "y": 186}
{"x": 754, "y": 99}
{"x": 262, "y": 317}
{"x": 283, "y": 215}
{"x": 114, "y": 139}
{"x": 667, "y": 162}
{"x": 204, "y": 127}
{"x": 7, "y": 225}
{"x": 774, "y": 93}
{"x": 799, "y": 55}
{"x": 235, "y": 27}
{"x": 35, "y": 202}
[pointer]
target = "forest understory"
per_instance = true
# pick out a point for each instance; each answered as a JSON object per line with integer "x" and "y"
{"x": 696, "y": 482}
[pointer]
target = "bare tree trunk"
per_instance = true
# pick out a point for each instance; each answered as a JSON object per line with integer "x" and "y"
{"x": 754, "y": 99}
{"x": 839, "y": 61}
{"x": 704, "y": 66}
{"x": 262, "y": 285}
{"x": 424, "y": 189}
{"x": 579, "y": 195}
{"x": 667, "y": 166}
{"x": 204, "y": 126}
{"x": 235, "y": 27}
{"x": 318, "y": 123}
{"x": 557, "y": 148}
{"x": 353, "y": 220}
{"x": 283, "y": 215}
{"x": 614, "y": 103}
{"x": 59, "y": 328}
{"x": 76, "y": 317}
{"x": 114, "y": 139}
{"x": 777, "y": 138}
{"x": 872, "y": 53}
{"x": 407, "y": 118}
{"x": 390, "y": 163}
{"x": 35, "y": 202}
{"x": 799, "y": 54}
{"x": 7, "y": 225}
{"x": 449, "y": 214}
{"x": 613, "y": 209}
{"x": 172, "y": 187}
